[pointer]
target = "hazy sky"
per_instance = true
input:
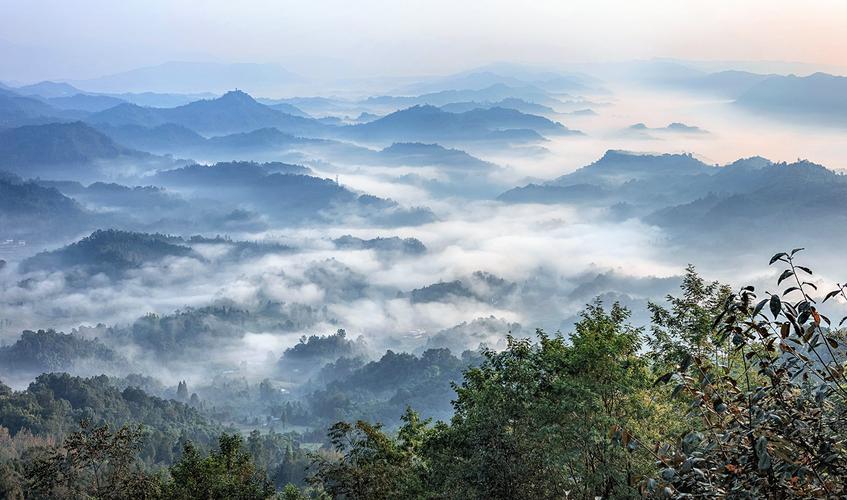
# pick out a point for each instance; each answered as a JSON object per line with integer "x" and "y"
{"x": 86, "y": 38}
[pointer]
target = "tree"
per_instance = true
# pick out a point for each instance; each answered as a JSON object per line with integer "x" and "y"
{"x": 11, "y": 482}
{"x": 291, "y": 492}
{"x": 228, "y": 473}
{"x": 182, "y": 391}
{"x": 367, "y": 463}
{"x": 93, "y": 462}
{"x": 531, "y": 421}
{"x": 686, "y": 328}
{"x": 766, "y": 399}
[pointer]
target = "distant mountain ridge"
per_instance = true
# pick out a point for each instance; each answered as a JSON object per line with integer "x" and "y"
{"x": 416, "y": 153}
{"x": 618, "y": 167}
{"x": 509, "y": 103}
{"x": 492, "y": 93}
{"x": 819, "y": 97}
{"x": 686, "y": 196}
{"x": 429, "y": 123}
{"x": 49, "y": 89}
{"x": 507, "y": 74}
{"x": 233, "y": 112}
{"x": 193, "y": 77}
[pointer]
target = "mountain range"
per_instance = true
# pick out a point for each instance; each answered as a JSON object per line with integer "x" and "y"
{"x": 284, "y": 194}
{"x": 510, "y": 102}
{"x": 815, "y": 98}
{"x": 689, "y": 198}
{"x": 233, "y": 112}
{"x": 429, "y": 123}
{"x": 54, "y": 92}
{"x": 189, "y": 76}
{"x": 516, "y": 75}
{"x": 492, "y": 93}
{"x": 818, "y": 97}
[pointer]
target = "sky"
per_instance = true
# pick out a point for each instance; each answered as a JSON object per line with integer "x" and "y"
{"x": 341, "y": 38}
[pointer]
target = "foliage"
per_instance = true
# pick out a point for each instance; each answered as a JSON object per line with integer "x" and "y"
{"x": 530, "y": 422}
{"x": 111, "y": 252}
{"x": 279, "y": 455}
{"x": 93, "y": 462}
{"x": 727, "y": 394}
{"x": 47, "y": 351}
{"x": 685, "y": 329}
{"x": 55, "y": 403}
{"x": 318, "y": 350}
{"x": 98, "y": 463}
{"x": 228, "y": 473}
{"x": 367, "y": 463}
{"x": 766, "y": 398}
{"x": 196, "y": 329}
{"x": 381, "y": 389}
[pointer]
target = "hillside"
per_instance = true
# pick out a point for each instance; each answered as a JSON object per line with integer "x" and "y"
{"x": 282, "y": 192}
{"x": 57, "y": 402}
{"x": 56, "y": 143}
{"x": 412, "y": 246}
{"x": 43, "y": 351}
{"x": 35, "y": 213}
{"x": 167, "y": 137}
{"x": 110, "y": 252}
{"x": 73, "y": 151}
{"x": 420, "y": 154}
{"x": 616, "y": 168}
{"x": 17, "y": 110}
{"x": 762, "y": 201}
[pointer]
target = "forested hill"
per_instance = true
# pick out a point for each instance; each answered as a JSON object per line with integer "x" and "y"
{"x": 110, "y": 252}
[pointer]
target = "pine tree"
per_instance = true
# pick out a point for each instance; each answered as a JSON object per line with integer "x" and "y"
{"x": 182, "y": 391}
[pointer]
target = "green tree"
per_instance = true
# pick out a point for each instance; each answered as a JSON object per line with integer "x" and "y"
{"x": 766, "y": 401}
{"x": 533, "y": 421}
{"x": 291, "y": 492}
{"x": 11, "y": 482}
{"x": 93, "y": 462}
{"x": 226, "y": 474}
{"x": 367, "y": 463}
{"x": 685, "y": 326}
